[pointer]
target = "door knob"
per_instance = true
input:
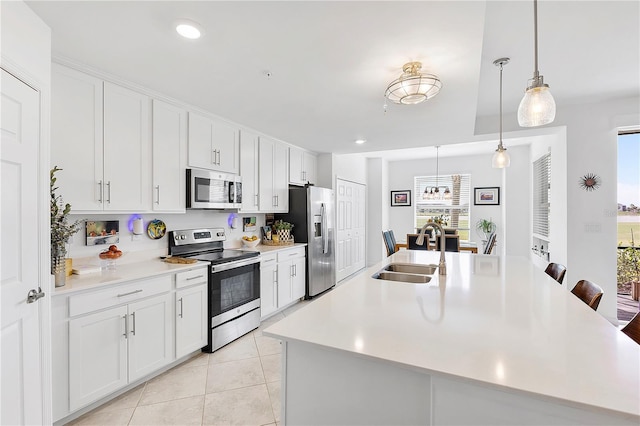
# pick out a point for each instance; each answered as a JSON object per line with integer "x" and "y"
{"x": 34, "y": 295}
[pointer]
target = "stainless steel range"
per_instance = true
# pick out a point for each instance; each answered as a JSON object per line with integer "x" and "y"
{"x": 234, "y": 283}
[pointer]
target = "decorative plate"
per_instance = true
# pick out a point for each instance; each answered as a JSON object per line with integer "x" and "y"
{"x": 156, "y": 229}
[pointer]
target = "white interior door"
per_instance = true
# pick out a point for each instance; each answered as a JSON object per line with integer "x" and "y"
{"x": 350, "y": 225}
{"x": 21, "y": 399}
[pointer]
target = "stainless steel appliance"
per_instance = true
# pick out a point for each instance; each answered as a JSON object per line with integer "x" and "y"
{"x": 311, "y": 211}
{"x": 207, "y": 189}
{"x": 234, "y": 283}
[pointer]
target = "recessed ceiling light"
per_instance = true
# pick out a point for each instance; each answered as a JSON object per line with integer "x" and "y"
{"x": 360, "y": 141}
{"x": 189, "y": 29}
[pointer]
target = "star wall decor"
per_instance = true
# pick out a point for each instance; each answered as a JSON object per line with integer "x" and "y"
{"x": 590, "y": 182}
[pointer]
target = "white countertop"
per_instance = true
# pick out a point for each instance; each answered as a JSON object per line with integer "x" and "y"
{"x": 123, "y": 273}
{"x": 498, "y": 321}
{"x": 262, "y": 248}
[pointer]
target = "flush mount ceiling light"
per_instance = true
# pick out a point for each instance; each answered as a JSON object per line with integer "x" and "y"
{"x": 537, "y": 108}
{"x": 413, "y": 87}
{"x": 360, "y": 141}
{"x": 500, "y": 158}
{"x": 189, "y": 29}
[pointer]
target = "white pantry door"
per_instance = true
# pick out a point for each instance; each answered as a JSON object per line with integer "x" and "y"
{"x": 21, "y": 397}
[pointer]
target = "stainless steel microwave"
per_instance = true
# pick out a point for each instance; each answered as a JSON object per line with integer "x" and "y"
{"x": 207, "y": 189}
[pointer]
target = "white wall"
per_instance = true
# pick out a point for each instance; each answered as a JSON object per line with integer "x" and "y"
{"x": 377, "y": 208}
{"x": 401, "y": 174}
{"x": 130, "y": 244}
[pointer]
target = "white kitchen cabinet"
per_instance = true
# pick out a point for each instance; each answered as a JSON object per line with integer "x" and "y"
{"x": 109, "y": 348}
{"x": 213, "y": 144}
{"x": 273, "y": 185}
{"x": 268, "y": 284}
{"x": 127, "y": 150}
{"x": 169, "y": 143}
{"x": 282, "y": 279}
{"x": 191, "y": 311}
{"x": 249, "y": 166}
{"x": 302, "y": 167}
{"x": 97, "y": 355}
{"x": 76, "y": 137}
{"x": 291, "y": 275}
{"x": 150, "y": 335}
{"x": 100, "y": 138}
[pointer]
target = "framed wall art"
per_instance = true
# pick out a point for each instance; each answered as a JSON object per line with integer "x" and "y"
{"x": 401, "y": 198}
{"x": 487, "y": 196}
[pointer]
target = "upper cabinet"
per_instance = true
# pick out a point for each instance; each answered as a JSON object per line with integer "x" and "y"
{"x": 107, "y": 127}
{"x": 169, "y": 136}
{"x": 213, "y": 144}
{"x": 127, "y": 150}
{"x": 273, "y": 186}
{"x": 302, "y": 167}
{"x": 249, "y": 166}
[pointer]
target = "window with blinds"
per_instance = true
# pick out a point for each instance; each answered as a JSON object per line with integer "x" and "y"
{"x": 451, "y": 201}
{"x": 541, "y": 191}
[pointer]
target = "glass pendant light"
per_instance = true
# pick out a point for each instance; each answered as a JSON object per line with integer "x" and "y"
{"x": 500, "y": 158}
{"x": 537, "y": 107}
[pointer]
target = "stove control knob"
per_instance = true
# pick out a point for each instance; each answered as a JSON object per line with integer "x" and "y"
{"x": 176, "y": 237}
{"x": 183, "y": 237}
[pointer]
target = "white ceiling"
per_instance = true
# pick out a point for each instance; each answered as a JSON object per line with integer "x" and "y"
{"x": 330, "y": 61}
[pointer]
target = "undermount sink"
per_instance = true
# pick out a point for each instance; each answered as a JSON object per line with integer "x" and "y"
{"x": 406, "y": 272}
{"x": 399, "y": 276}
{"x": 411, "y": 268}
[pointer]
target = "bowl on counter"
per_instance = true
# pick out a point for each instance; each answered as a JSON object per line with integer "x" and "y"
{"x": 251, "y": 244}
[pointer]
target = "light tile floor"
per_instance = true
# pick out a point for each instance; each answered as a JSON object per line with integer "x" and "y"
{"x": 238, "y": 384}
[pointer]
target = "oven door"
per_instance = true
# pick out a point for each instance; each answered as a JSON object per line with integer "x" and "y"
{"x": 234, "y": 289}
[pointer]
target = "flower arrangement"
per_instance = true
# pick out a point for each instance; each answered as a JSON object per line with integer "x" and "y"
{"x": 61, "y": 229}
{"x": 442, "y": 219}
{"x": 280, "y": 225}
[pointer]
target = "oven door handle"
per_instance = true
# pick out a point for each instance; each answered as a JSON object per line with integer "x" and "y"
{"x": 233, "y": 265}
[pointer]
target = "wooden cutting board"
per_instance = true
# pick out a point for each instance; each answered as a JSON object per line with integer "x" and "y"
{"x": 179, "y": 260}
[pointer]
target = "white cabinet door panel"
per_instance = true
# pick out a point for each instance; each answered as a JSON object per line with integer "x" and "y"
{"x": 150, "y": 335}
{"x": 249, "y": 166}
{"x": 97, "y": 355}
{"x": 191, "y": 319}
{"x": 169, "y": 135}
{"x": 127, "y": 150}
{"x": 76, "y": 137}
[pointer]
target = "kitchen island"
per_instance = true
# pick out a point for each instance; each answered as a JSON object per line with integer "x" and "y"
{"x": 495, "y": 341}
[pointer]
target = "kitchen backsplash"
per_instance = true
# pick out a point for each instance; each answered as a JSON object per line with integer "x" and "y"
{"x": 130, "y": 243}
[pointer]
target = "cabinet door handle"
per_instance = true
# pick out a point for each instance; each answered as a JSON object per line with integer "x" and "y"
{"x": 295, "y": 270}
{"x": 195, "y": 278}
{"x": 109, "y": 192}
{"x": 255, "y": 203}
{"x": 213, "y": 156}
{"x": 219, "y": 157}
{"x": 131, "y": 292}
{"x": 133, "y": 327}
{"x": 276, "y": 201}
{"x": 126, "y": 328}
{"x": 100, "y": 192}
{"x": 275, "y": 276}
{"x": 158, "y": 194}
{"x": 180, "y": 314}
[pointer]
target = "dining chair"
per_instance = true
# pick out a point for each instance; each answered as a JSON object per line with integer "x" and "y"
{"x": 589, "y": 293}
{"x": 556, "y": 271}
{"x": 632, "y": 329}
{"x": 389, "y": 242}
{"x": 451, "y": 242}
{"x": 491, "y": 242}
{"x": 413, "y": 245}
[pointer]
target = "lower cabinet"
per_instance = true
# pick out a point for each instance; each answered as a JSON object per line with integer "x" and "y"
{"x": 191, "y": 312}
{"x": 282, "y": 279}
{"x": 111, "y": 337}
{"x": 111, "y": 348}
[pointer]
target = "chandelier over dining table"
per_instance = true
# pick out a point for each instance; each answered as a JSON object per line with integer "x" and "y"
{"x": 433, "y": 192}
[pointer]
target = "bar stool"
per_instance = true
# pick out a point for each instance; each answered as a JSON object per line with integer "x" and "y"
{"x": 589, "y": 293}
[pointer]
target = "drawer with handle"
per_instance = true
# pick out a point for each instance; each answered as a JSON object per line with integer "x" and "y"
{"x": 284, "y": 255}
{"x": 268, "y": 259}
{"x": 118, "y": 294}
{"x": 192, "y": 277}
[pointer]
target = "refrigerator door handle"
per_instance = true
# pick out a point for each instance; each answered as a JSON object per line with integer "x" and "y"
{"x": 323, "y": 221}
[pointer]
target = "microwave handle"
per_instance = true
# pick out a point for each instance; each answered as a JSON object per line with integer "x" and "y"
{"x": 232, "y": 192}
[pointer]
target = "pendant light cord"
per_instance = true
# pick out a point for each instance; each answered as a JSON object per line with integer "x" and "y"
{"x": 536, "y": 72}
{"x": 500, "y": 144}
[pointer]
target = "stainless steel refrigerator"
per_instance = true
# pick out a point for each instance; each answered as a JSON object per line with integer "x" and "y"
{"x": 311, "y": 211}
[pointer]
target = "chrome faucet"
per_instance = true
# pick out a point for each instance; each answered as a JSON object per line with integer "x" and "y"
{"x": 442, "y": 266}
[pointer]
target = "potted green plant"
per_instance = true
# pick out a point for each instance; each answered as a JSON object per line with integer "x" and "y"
{"x": 283, "y": 230}
{"x": 486, "y": 227}
{"x": 61, "y": 231}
